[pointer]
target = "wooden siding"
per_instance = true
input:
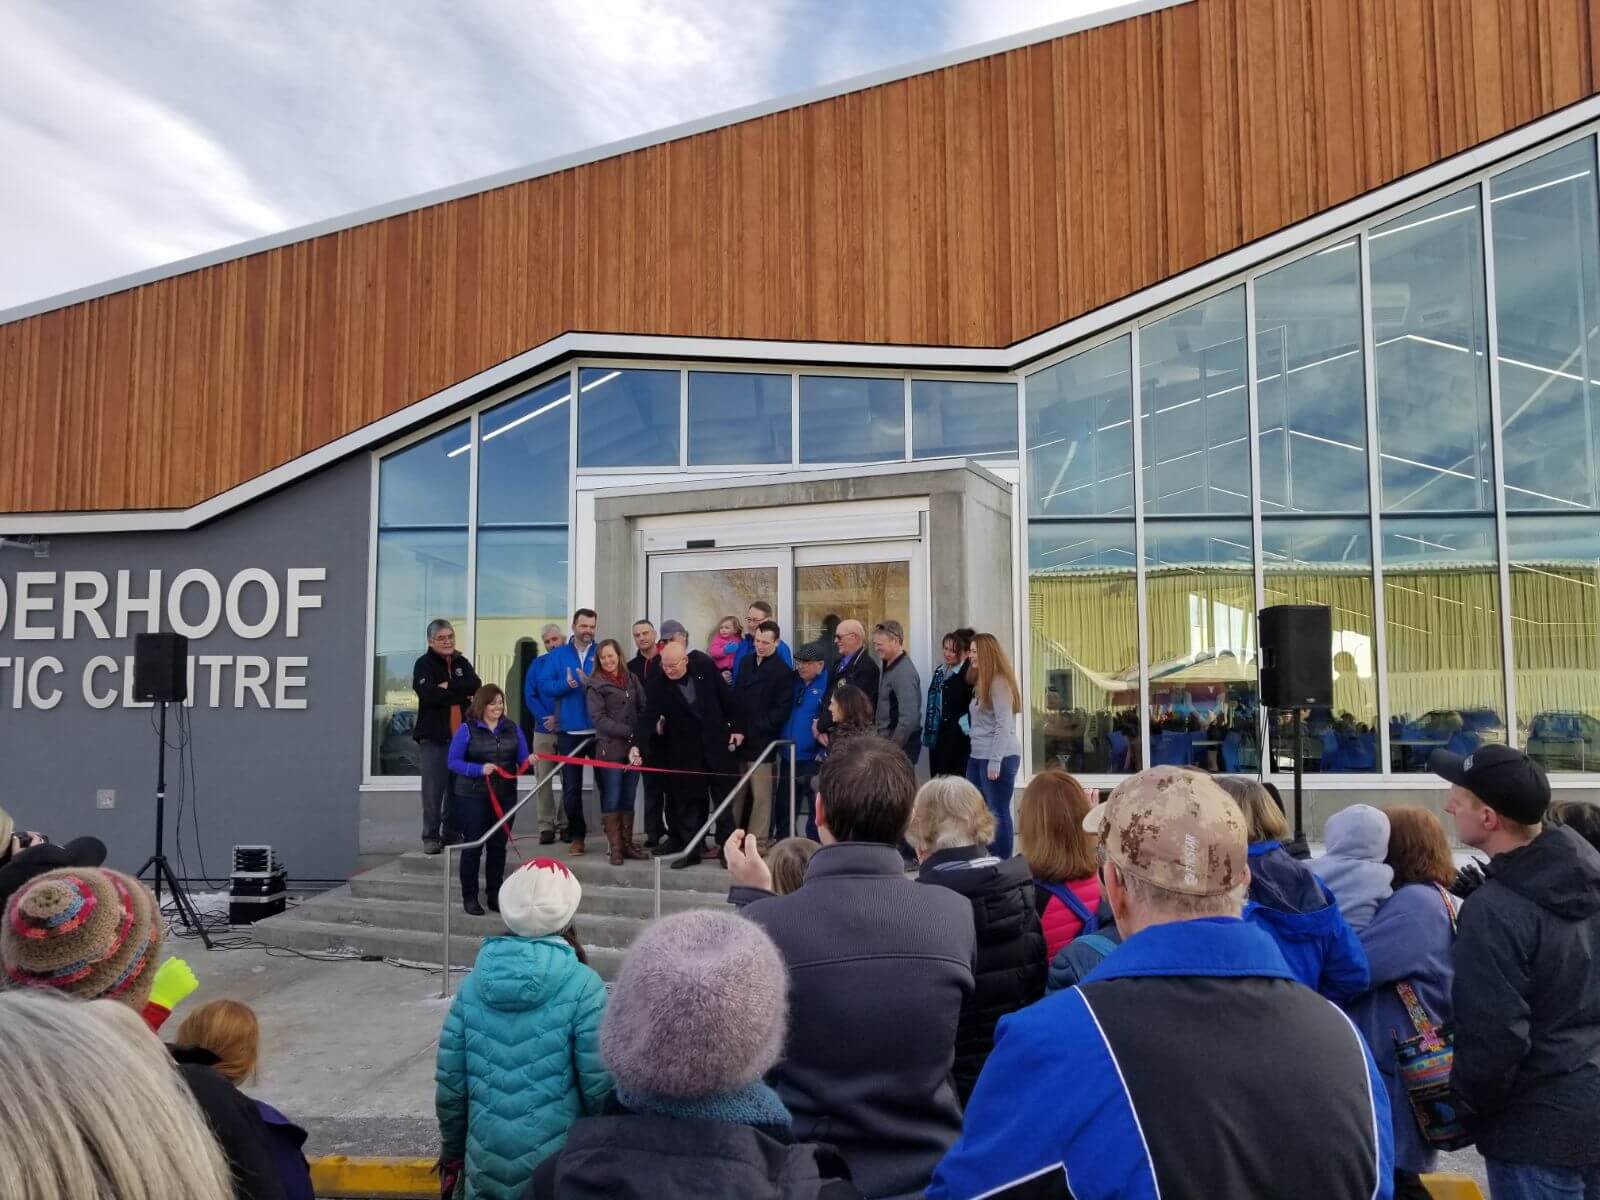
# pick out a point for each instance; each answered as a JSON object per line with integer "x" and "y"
{"x": 974, "y": 206}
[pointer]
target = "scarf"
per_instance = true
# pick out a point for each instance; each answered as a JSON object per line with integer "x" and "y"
{"x": 754, "y": 1105}
{"x": 930, "y": 725}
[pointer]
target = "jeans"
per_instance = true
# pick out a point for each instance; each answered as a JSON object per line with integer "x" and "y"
{"x": 437, "y": 814}
{"x": 1530, "y": 1181}
{"x": 997, "y": 793}
{"x": 475, "y": 815}
{"x": 572, "y": 786}
{"x": 617, "y": 790}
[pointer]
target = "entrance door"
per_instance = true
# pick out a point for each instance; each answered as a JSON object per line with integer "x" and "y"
{"x": 701, "y": 587}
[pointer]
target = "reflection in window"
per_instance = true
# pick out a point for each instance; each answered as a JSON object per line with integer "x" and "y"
{"x": 421, "y": 575}
{"x": 627, "y": 418}
{"x": 845, "y": 420}
{"x": 1547, "y": 309}
{"x": 1555, "y": 635}
{"x": 522, "y": 586}
{"x": 1310, "y": 385}
{"x": 1329, "y": 563}
{"x": 1080, "y": 435}
{"x": 1431, "y": 346}
{"x": 1083, "y": 645}
{"x": 522, "y": 458}
{"x": 955, "y": 417}
{"x": 426, "y": 483}
{"x": 1194, "y": 409}
{"x": 737, "y": 418}
{"x": 1442, "y": 626}
{"x": 1200, "y": 595}
{"x": 829, "y": 593}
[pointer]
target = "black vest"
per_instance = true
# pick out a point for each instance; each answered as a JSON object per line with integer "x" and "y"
{"x": 499, "y": 747}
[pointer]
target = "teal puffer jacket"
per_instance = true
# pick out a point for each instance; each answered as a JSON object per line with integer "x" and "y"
{"x": 519, "y": 1062}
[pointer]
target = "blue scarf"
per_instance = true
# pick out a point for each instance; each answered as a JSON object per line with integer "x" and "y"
{"x": 754, "y": 1105}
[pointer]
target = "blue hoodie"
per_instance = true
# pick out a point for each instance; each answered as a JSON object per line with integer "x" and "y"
{"x": 567, "y": 699}
{"x": 807, "y": 704}
{"x": 1299, "y": 912}
{"x": 532, "y": 697}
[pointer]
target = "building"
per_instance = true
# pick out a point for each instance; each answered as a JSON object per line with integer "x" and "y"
{"x": 875, "y": 351}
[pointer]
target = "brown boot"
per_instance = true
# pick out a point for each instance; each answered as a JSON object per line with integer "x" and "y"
{"x": 576, "y": 848}
{"x": 629, "y": 848}
{"x": 613, "y": 827}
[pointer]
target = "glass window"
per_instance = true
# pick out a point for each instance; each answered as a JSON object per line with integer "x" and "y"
{"x": 1080, "y": 435}
{"x": 1329, "y": 563}
{"x": 627, "y": 418}
{"x": 1194, "y": 409}
{"x": 951, "y": 417}
{"x": 738, "y": 417}
{"x": 1083, "y": 644}
{"x": 1442, "y": 627}
{"x": 522, "y": 586}
{"x": 1547, "y": 312}
{"x": 1311, "y": 386}
{"x": 522, "y": 458}
{"x": 1555, "y": 635}
{"x": 828, "y": 593}
{"x": 1200, "y": 596}
{"x": 421, "y": 575}
{"x": 701, "y": 597}
{"x": 426, "y": 483}
{"x": 845, "y": 420}
{"x": 1430, "y": 358}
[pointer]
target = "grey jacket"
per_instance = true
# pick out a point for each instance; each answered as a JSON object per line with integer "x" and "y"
{"x": 613, "y": 712}
{"x": 994, "y": 730}
{"x": 900, "y": 702}
{"x": 878, "y": 971}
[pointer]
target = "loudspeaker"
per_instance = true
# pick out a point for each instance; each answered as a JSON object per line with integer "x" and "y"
{"x": 161, "y": 667}
{"x": 1296, "y": 656}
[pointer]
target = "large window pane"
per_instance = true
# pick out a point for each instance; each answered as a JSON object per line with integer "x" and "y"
{"x": 1194, "y": 409}
{"x": 627, "y": 418}
{"x": 953, "y": 417}
{"x": 427, "y": 483}
{"x": 1555, "y": 635}
{"x": 844, "y": 420}
{"x": 1080, "y": 435}
{"x": 1442, "y": 625}
{"x": 1547, "y": 309}
{"x": 1200, "y": 592}
{"x": 420, "y": 576}
{"x": 522, "y": 458}
{"x": 1329, "y": 563}
{"x": 1083, "y": 643}
{"x": 1310, "y": 385}
{"x": 1431, "y": 358}
{"x": 522, "y": 586}
{"x": 828, "y": 593}
{"x": 737, "y": 417}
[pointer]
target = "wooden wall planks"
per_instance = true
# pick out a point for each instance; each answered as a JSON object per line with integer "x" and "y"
{"x": 974, "y": 205}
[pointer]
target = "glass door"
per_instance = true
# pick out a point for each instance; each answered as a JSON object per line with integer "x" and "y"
{"x": 700, "y": 588}
{"x": 868, "y": 582}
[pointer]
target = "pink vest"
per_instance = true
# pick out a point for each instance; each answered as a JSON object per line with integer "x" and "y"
{"x": 1059, "y": 922}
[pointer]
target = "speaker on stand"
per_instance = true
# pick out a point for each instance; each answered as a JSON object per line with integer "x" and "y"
{"x": 1296, "y": 674}
{"x": 161, "y": 676}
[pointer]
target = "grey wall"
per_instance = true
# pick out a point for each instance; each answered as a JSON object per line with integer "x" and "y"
{"x": 286, "y": 777}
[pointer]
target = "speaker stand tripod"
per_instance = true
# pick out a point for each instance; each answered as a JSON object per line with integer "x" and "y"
{"x": 1299, "y": 848}
{"x": 160, "y": 870}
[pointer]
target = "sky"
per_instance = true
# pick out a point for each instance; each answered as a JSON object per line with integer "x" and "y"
{"x": 141, "y": 132}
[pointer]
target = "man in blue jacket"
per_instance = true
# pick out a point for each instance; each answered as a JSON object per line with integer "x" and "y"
{"x": 561, "y": 685}
{"x": 544, "y": 739}
{"x": 1189, "y": 1063}
{"x": 810, "y": 685}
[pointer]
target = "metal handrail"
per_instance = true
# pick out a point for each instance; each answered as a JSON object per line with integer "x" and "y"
{"x": 694, "y": 844}
{"x": 538, "y": 786}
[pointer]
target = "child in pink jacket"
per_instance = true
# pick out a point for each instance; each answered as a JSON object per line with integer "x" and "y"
{"x": 724, "y": 645}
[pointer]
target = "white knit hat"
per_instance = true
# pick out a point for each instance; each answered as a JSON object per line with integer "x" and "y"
{"x": 540, "y": 898}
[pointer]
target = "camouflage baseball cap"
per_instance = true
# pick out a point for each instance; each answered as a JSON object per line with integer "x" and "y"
{"x": 1175, "y": 829}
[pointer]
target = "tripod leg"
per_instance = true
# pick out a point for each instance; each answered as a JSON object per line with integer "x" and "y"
{"x": 187, "y": 913}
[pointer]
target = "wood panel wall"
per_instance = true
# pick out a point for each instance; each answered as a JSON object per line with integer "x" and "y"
{"x": 973, "y": 206}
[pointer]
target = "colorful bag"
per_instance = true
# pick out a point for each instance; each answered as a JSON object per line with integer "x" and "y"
{"x": 1424, "y": 1063}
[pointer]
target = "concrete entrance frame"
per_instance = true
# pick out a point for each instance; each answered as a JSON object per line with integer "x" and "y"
{"x": 966, "y": 531}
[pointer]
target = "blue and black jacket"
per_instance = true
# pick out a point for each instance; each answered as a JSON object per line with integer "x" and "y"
{"x": 566, "y": 699}
{"x": 1189, "y": 1063}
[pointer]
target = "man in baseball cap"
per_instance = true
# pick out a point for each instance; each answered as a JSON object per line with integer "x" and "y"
{"x": 1527, "y": 984}
{"x": 1164, "y": 1071}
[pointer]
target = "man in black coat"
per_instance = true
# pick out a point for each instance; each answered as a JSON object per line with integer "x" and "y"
{"x": 763, "y": 698}
{"x": 1527, "y": 986}
{"x": 444, "y": 682}
{"x": 643, "y": 665}
{"x": 690, "y": 704}
{"x": 855, "y": 666}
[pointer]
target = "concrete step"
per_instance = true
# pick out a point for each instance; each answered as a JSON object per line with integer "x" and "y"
{"x": 591, "y": 868}
{"x": 392, "y": 883}
{"x": 423, "y": 916}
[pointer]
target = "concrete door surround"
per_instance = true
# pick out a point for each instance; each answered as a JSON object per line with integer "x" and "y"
{"x": 968, "y": 538}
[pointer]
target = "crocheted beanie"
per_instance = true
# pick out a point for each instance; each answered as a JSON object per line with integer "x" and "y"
{"x": 89, "y": 932}
{"x": 699, "y": 1008}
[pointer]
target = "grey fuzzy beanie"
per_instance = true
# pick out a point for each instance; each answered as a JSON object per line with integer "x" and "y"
{"x": 699, "y": 1009}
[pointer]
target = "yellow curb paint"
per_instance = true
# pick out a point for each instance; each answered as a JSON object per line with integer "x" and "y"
{"x": 339, "y": 1176}
{"x": 1451, "y": 1187}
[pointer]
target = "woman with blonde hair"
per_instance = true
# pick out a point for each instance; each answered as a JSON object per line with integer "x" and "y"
{"x": 996, "y": 751}
{"x": 950, "y": 828}
{"x": 1060, "y": 854}
{"x": 91, "y": 1108}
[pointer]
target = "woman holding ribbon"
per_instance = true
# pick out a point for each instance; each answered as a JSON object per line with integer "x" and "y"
{"x": 615, "y": 696}
{"x": 486, "y": 755}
